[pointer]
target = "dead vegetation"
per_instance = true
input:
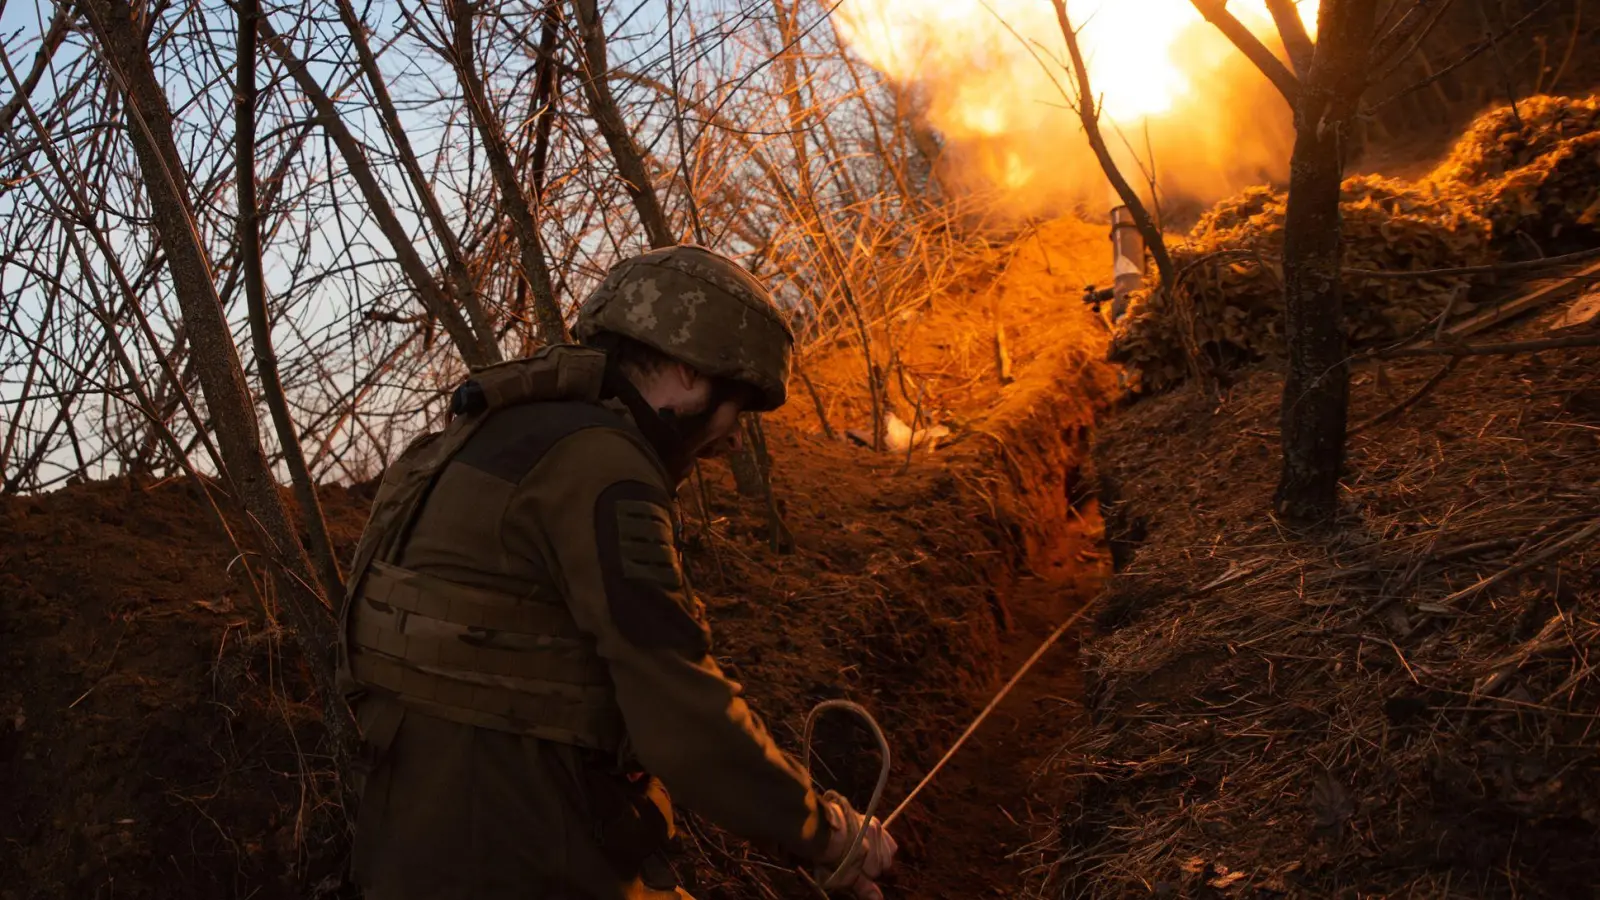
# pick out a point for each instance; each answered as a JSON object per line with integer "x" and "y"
{"x": 1228, "y": 306}
{"x": 1405, "y": 708}
{"x": 1519, "y": 184}
{"x": 1529, "y": 168}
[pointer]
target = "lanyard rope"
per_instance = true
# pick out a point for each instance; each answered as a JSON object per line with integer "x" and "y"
{"x": 857, "y": 847}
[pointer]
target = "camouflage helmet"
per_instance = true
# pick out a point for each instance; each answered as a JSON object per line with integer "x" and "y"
{"x": 700, "y": 308}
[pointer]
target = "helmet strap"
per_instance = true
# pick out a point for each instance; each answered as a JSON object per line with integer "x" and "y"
{"x": 664, "y": 430}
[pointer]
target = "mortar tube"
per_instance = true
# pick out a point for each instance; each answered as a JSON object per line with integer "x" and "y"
{"x": 1127, "y": 259}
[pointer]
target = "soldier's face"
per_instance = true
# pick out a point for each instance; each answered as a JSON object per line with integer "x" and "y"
{"x": 722, "y": 432}
{"x": 716, "y": 409}
{"x": 707, "y": 409}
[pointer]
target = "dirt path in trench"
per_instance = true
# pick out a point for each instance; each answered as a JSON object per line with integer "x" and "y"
{"x": 968, "y": 833}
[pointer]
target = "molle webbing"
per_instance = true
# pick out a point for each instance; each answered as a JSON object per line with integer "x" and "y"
{"x": 441, "y": 647}
{"x": 468, "y": 607}
{"x": 550, "y": 648}
{"x": 433, "y": 642}
{"x": 581, "y": 721}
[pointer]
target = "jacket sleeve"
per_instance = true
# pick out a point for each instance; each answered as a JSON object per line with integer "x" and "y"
{"x": 597, "y": 510}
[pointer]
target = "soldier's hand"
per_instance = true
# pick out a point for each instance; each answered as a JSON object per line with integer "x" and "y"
{"x": 877, "y": 849}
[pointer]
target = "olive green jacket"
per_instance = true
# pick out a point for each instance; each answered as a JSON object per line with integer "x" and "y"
{"x": 571, "y": 496}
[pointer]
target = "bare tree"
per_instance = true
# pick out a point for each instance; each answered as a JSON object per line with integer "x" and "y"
{"x": 321, "y": 547}
{"x": 376, "y": 248}
{"x": 1089, "y": 114}
{"x": 118, "y": 30}
{"x": 1326, "y": 99}
{"x": 629, "y": 158}
{"x": 1316, "y": 388}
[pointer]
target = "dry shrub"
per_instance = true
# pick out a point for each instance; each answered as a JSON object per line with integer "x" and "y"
{"x": 1520, "y": 182}
{"x": 1229, "y": 303}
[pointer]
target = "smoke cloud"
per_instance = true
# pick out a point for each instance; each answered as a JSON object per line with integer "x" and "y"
{"x": 991, "y": 77}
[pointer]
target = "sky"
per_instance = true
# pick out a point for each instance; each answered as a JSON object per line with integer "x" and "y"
{"x": 21, "y": 23}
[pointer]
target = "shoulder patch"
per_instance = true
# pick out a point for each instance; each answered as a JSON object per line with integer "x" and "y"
{"x": 649, "y": 598}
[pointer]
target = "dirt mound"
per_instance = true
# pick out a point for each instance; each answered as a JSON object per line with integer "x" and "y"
{"x": 159, "y": 739}
{"x": 156, "y": 738}
{"x": 1405, "y": 710}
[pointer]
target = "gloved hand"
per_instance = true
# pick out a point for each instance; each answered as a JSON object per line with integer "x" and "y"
{"x": 850, "y": 830}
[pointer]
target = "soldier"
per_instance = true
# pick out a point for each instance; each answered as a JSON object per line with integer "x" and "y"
{"x": 529, "y": 668}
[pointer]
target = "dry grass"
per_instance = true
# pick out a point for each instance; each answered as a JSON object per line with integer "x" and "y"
{"x": 1407, "y": 708}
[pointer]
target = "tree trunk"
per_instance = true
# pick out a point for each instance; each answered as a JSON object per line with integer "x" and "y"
{"x": 513, "y": 202}
{"x": 629, "y": 158}
{"x": 779, "y": 538}
{"x": 746, "y": 468}
{"x": 1089, "y": 115}
{"x": 121, "y": 37}
{"x": 1317, "y": 384}
{"x": 255, "y": 290}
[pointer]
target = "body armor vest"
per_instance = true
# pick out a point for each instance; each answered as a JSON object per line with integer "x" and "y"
{"x": 427, "y": 640}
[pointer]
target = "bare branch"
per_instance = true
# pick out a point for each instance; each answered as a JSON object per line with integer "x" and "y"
{"x": 603, "y": 106}
{"x": 1216, "y": 12}
{"x": 465, "y": 286}
{"x": 1419, "y": 19}
{"x": 1509, "y": 348}
{"x": 475, "y": 349}
{"x": 1468, "y": 56}
{"x": 53, "y": 37}
{"x": 1292, "y": 29}
{"x": 545, "y": 91}
{"x": 513, "y": 203}
{"x": 1089, "y": 115}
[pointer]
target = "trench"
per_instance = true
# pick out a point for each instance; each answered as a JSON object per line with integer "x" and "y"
{"x": 927, "y": 640}
{"x": 988, "y": 809}
{"x": 147, "y": 721}
{"x": 973, "y": 831}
